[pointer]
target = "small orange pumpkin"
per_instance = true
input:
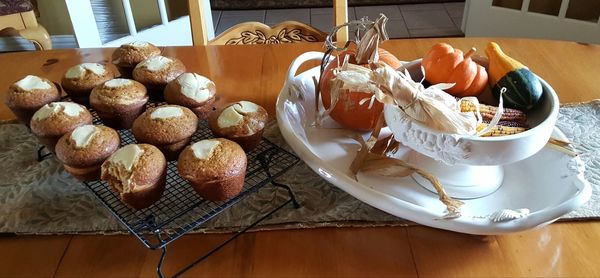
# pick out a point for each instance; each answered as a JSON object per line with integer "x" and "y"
{"x": 348, "y": 112}
{"x": 445, "y": 64}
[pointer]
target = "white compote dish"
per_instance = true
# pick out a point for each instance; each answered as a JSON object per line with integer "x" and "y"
{"x": 537, "y": 184}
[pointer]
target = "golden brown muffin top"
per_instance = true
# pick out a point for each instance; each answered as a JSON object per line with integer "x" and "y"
{"x": 133, "y": 166}
{"x": 119, "y": 91}
{"x": 190, "y": 89}
{"x": 130, "y": 54}
{"x": 165, "y": 124}
{"x": 211, "y": 159}
{"x": 58, "y": 118}
{"x": 238, "y": 119}
{"x": 31, "y": 92}
{"x": 87, "y": 145}
{"x": 158, "y": 70}
{"x": 86, "y": 76}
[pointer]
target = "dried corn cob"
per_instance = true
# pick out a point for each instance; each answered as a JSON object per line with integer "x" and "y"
{"x": 488, "y": 112}
{"x": 510, "y": 124}
{"x": 500, "y": 130}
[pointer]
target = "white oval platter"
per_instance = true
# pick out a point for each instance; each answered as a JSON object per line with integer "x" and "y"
{"x": 535, "y": 191}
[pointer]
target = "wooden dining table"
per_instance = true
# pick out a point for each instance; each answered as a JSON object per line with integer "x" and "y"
{"x": 256, "y": 73}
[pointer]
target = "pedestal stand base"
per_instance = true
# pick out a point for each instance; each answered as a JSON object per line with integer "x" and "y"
{"x": 459, "y": 181}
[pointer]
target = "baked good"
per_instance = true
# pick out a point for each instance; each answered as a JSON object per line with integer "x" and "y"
{"x": 128, "y": 55}
{"x": 83, "y": 150}
{"x": 168, "y": 127}
{"x": 79, "y": 80}
{"x": 155, "y": 72}
{"x": 242, "y": 122}
{"x": 193, "y": 91}
{"x": 119, "y": 101}
{"x": 29, "y": 94}
{"x": 214, "y": 167}
{"x": 55, "y": 119}
{"x": 137, "y": 172}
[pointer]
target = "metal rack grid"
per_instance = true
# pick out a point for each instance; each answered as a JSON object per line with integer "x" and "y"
{"x": 181, "y": 209}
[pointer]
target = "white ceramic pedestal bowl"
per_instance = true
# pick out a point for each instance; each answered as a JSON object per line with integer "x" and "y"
{"x": 470, "y": 166}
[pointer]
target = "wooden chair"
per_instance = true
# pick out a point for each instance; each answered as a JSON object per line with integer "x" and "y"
{"x": 17, "y": 17}
{"x": 258, "y": 33}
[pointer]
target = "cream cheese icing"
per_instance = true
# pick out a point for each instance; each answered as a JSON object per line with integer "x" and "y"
{"x": 83, "y": 135}
{"x": 205, "y": 148}
{"x": 195, "y": 86}
{"x": 117, "y": 82}
{"x": 138, "y": 44}
{"x": 78, "y": 71}
{"x": 68, "y": 108}
{"x": 32, "y": 82}
{"x": 156, "y": 63}
{"x": 234, "y": 114}
{"x": 166, "y": 112}
{"x": 127, "y": 156}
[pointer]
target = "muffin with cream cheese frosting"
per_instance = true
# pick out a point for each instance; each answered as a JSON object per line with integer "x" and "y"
{"x": 128, "y": 55}
{"x": 29, "y": 94}
{"x": 193, "y": 91}
{"x": 119, "y": 102}
{"x": 79, "y": 80}
{"x": 168, "y": 127}
{"x": 155, "y": 72}
{"x": 137, "y": 172}
{"x": 83, "y": 150}
{"x": 55, "y": 119}
{"x": 215, "y": 168}
{"x": 242, "y": 122}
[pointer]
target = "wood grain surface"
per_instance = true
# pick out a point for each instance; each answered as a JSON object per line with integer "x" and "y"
{"x": 256, "y": 73}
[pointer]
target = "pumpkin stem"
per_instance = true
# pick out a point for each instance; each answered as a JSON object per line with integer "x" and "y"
{"x": 470, "y": 53}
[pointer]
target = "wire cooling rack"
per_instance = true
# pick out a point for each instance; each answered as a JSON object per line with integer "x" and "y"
{"x": 181, "y": 209}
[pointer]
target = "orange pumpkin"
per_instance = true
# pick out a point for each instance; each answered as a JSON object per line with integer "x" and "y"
{"x": 348, "y": 112}
{"x": 445, "y": 64}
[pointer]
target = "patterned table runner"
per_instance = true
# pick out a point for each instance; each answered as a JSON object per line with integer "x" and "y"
{"x": 41, "y": 198}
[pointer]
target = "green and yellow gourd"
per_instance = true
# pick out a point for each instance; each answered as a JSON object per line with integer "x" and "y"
{"x": 523, "y": 88}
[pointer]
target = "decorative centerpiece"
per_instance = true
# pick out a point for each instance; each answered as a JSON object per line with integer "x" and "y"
{"x": 461, "y": 117}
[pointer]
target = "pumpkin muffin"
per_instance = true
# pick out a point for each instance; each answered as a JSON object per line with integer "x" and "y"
{"x": 193, "y": 91}
{"x": 119, "y": 102}
{"x": 128, "y": 55}
{"x": 79, "y": 80}
{"x": 83, "y": 150}
{"x": 155, "y": 72}
{"x": 242, "y": 122}
{"x": 214, "y": 167}
{"x": 137, "y": 172}
{"x": 29, "y": 94}
{"x": 55, "y": 119}
{"x": 168, "y": 127}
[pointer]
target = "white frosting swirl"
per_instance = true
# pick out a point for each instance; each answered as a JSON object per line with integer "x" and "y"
{"x": 32, "y": 82}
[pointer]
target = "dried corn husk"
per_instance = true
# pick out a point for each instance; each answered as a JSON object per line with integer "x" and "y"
{"x": 430, "y": 106}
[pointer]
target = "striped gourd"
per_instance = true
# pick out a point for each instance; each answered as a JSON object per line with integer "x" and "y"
{"x": 523, "y": 88}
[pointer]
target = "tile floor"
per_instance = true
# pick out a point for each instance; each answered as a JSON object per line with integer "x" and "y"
{"x": 405, "y": 21}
